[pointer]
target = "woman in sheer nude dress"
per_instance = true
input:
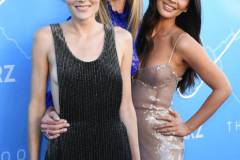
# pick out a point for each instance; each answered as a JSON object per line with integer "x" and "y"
{"x": 170, "y": 55}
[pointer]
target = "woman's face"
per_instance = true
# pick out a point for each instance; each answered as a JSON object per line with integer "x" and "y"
{"x": 171, "y": 8}
{"x": 83, "y": 9}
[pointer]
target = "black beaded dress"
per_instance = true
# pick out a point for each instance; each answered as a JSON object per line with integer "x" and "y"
{"x": 90, "y": 95}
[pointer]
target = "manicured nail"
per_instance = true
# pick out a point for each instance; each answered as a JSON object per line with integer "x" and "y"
{"x": 57, "y": 118}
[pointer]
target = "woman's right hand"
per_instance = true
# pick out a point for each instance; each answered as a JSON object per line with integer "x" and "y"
{"x": 51, "y": 124}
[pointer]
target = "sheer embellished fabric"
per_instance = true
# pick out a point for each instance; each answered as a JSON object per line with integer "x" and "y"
{"x": 90, "y": 95}
{"x": 153, "y": 90}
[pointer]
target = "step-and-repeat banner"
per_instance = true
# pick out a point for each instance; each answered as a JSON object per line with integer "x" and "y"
{"x": 218, "y": 138}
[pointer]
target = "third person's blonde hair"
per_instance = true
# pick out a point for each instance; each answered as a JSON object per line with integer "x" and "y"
{"x": 136, "y": 11}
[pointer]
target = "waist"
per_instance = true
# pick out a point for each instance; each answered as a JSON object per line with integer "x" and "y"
{"x": 90, "y": 114}
{"x": 94, "y": 126}
{"x": 148, "y": 96}
{"x": 153, "y": 107}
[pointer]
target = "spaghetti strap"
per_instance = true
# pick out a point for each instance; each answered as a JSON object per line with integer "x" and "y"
{"x": 175, "y": 44}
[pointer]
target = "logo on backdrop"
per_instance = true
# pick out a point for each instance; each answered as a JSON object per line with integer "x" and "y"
{"x": 196, "y": 135}
{"x": 15, "y": 42}
{"x": 2, "y": 1}
{"x": 6, "y": 72}
{"x": 228, "y": 43}
{"x": 233, "y": 126}
{"x": 19, "y": 155}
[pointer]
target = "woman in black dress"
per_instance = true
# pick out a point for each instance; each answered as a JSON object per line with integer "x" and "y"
{"x": 89, "y": 65}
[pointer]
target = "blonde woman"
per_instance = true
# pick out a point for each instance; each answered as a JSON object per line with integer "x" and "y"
{"x": 88, "y": 62}
{"x": 123, "y": 13}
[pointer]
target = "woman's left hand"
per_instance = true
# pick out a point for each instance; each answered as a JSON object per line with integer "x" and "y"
{"x": 174, "y": 125}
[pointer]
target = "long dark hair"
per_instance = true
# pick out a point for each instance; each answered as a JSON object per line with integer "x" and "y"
{"x": 190, "y": 22}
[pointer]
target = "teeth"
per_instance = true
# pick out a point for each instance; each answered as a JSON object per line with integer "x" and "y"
{"x": 169, "y": 7}
{"x": 81, "y": 6}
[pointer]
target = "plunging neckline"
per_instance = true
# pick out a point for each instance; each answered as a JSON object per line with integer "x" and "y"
{"x": 80, "y": 60}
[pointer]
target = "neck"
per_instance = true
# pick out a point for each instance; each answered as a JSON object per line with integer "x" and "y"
{"x": 118, "y": 5}
{"x": 83, "y": 27}
{"x": 165, "y": 26}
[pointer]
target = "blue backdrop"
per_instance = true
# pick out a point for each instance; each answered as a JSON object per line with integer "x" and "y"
{"x": 219, "y": 138}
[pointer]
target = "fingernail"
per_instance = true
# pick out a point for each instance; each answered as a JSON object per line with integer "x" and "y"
{"x": 65, "y": 129}
{"x": 68, "y": 125}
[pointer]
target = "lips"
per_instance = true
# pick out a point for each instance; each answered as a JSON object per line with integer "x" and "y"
{"x": 168, "y": 7}
{"x": 82, "y": 7}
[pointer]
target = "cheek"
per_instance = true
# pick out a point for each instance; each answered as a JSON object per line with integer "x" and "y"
{"x": 70, "y": 2}
{"x": 159, "y": 5}
{"x": 183, "y": 4}
{"x": 95, "y": 4}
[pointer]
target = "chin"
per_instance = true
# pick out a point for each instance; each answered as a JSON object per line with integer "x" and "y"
{"x": 167, "y": 11}
{"x": 83, "y": 17}
{"x": 83, "y": 11}
{"x": 167, "y": 15}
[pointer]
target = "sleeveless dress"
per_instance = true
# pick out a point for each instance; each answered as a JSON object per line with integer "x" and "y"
{"x": 90, "y": 95}
{"x": 117, "y": 19}
{"x": 152, "y": 93}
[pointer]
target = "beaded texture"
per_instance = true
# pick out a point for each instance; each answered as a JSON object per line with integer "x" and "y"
{"x": 90, "y": 95}
{"x": 117, "y": 19}
{"x": 152, "y": 92}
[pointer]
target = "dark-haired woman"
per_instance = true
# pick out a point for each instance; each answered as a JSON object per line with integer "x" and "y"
{"x": 171, "y": 56}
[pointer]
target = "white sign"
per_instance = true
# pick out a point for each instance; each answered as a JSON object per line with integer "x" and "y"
{"x": 6, "y": 74}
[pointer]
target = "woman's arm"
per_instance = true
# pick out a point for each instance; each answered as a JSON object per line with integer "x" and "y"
{"x": 38, "y": 89}
{"x": 127, "y": 111}
{"x": 195, "y": 57}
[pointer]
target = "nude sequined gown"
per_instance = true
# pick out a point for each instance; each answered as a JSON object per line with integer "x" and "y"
{"x": 152, "y": 93}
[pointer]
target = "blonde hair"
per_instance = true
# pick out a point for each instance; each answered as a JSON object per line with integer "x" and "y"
{"x": 136, "y": 7}
{"x": 136, "y": 10}
{"x": 102, "y": 15}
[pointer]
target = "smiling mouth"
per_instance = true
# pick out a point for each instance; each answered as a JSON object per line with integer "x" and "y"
{"x": 168, "y": 7}
{"x": 82, "y": 7}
